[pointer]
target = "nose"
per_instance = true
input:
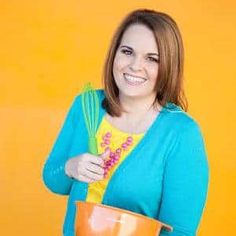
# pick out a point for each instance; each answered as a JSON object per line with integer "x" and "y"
{"x": 136, "y": 64}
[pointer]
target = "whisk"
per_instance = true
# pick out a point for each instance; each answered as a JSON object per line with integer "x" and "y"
{"x": 90, "y": 106}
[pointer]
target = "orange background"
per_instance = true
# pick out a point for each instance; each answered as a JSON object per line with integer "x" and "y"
{"x": 49, "y": 49}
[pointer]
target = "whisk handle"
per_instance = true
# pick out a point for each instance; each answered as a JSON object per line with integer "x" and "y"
{"x": 93, "y": 146}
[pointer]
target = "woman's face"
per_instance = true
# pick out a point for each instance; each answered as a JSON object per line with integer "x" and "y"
{"x": 135, "y": 66}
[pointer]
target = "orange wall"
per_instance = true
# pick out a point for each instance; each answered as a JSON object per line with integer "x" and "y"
{"x": 49, "y": 49}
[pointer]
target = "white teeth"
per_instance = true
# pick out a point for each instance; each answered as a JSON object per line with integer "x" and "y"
{"x": 134, "y": 79}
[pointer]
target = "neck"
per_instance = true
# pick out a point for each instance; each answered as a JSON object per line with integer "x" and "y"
{"x": 139, "y": 114}
{"x": 136, "y": 106}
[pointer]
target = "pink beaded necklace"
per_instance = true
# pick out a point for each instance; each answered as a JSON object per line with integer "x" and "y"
{"x": 114, "y": 155}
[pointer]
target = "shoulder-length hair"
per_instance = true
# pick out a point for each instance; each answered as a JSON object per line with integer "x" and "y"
{"x": 169, "y": 83}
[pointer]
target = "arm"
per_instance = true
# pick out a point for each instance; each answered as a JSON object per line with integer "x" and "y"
{"x": 54, "y": 175}
{"x": 185, "y": 183}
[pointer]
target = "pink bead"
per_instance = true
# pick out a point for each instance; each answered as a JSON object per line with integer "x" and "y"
{"x": 124, "y": 145}
{"x": 130, "y": 139}
{"x": 107, "y": 142}
{"x": 118, "y": 150}
{"x": 129, "y": 142}
{"x": 116, "y": 157}
{"x": 112, "y": 154}
{"x": 112, "y": 163}
{"x": 104, "y": 137}
{"x": 108, "y": 163}
{"x": 108, "y": 134}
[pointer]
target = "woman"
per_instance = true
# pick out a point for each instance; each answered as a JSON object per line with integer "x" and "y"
{"x": 157, "y": 160}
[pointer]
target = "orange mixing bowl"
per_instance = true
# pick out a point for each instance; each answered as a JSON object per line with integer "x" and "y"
{"x": 101, "y": 220}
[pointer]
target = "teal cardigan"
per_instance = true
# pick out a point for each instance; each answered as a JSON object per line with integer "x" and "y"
{"x": 164, "y": 177}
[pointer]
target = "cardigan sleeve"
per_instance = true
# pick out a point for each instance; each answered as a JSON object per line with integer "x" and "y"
{"x": 185, "y": 183}
{"x": 54, "y": 175}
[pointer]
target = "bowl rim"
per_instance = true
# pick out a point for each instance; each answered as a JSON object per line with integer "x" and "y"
{"x": 166, "y": 226}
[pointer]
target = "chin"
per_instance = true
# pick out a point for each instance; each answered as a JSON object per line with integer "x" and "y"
{"x": 133, "y": 94}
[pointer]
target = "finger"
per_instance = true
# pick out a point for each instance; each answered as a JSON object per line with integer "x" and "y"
{"x": 96, "y": 160}
{"x": 85, "y": 179}
{"x": 105, "y": 154}
{"x": 95, "y": 168}
{"x": 93, "y": 176}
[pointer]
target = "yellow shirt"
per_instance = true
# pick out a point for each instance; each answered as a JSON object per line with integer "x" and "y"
{"x": 97, "y": 189}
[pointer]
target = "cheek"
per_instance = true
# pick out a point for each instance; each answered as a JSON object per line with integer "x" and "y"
{"x": 153, "y": 72}
{"x": 117, "y": 69}
{"x": 120, "y": 62}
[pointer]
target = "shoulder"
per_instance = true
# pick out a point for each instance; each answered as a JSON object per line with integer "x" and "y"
{"x": 188, "y": 139}
{"x": 179, "y": 120}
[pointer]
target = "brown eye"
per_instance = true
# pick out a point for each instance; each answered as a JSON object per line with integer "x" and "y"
{"x": 126, "y": 52}
{"x": 152, "y": 59}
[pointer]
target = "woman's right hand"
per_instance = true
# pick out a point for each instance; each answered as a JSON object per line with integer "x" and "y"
{"x": 86, "y": 167}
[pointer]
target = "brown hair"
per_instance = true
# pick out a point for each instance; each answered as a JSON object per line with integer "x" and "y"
{"x": 169, "y": 85}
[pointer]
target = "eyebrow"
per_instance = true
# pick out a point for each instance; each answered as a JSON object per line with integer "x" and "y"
{"x": 150, "y": 53}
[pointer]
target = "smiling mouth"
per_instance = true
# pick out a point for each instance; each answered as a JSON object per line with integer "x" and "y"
{"x": 134, "y": 80}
